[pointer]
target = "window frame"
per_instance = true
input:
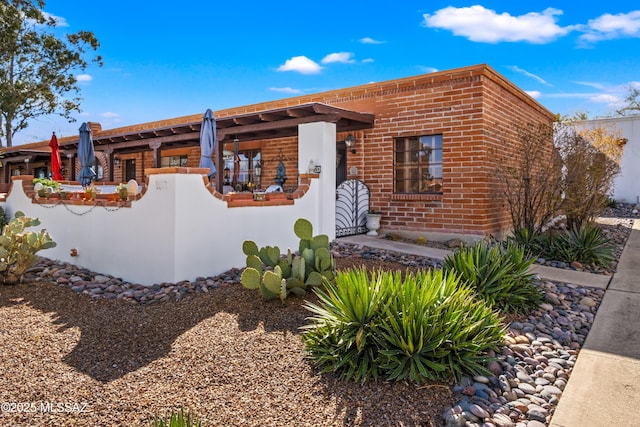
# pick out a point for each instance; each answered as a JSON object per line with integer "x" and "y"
{"x": 417, "y": 164}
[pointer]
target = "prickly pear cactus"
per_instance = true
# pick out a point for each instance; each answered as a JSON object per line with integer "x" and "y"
{"x": 278, "y": 276}
{"x": 18, "y": 247}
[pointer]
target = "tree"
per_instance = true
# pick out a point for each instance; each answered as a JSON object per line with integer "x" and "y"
{"x": 530, "y": 181}
{"x": 37, "y": 69}
{"x": 591, "y": 160}
{"x": 632, "y": 101}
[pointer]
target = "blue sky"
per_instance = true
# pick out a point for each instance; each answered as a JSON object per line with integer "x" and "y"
{"x": 162, "y": 62}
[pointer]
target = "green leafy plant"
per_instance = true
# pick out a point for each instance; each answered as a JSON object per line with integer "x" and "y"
{"x": 47, "y": 182}
{"x": 586, "y": 244}
{"x": 18, "y": 247}
{"x": 423, "y": 326}
{"x": 435, "y": 327}
{"x": 500, "y": 274}
{"x": 342, "y": 335}
{"x": 177, "y": 419}
{"x": 279, "y": 276}
{"x": 122, "y": 192}
{"x": 4, "y": 218}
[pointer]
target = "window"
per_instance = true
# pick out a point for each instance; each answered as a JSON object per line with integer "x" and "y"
{"x": 172, "y": 161}
{"x": 245, "y": 177}
{"x": 418, "y": 164}
{"x": 98, "y": 170}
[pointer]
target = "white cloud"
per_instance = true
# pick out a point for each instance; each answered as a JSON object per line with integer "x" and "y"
{"x": 535, "y": 94}
{"x": 367, "y": 60}
{"x": 528, "y": 74}
{"x": 428, "y": 69}
{"x": 300, "y": 64}
{"x": 607, "y": 27}
{"x": 289, "y": 90}
{"x": 342, "y": 57}
{"x": 594, "y": 85}
{"x": 369, "y": 40}
{"x": 84, "y": 77}
{"x": 605, "y": 98}
{"x": 109, "y": 115}
{"x": 484, "y": 25}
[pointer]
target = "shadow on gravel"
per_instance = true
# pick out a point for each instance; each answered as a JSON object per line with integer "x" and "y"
{"x": 119, "y": 337}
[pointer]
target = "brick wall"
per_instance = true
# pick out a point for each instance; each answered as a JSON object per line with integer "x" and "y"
{"x": 475, "y": 110}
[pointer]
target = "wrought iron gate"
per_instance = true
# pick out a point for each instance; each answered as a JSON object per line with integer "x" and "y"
{"x": 352, "y": 205}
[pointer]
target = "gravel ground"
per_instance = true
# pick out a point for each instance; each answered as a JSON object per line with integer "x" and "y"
{"x": 226, "y": 355}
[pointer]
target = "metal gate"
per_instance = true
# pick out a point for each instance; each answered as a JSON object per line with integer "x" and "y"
{"x": 352, "y": 205}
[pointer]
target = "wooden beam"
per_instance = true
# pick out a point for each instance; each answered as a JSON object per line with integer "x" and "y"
{"x": 279, "y": 125}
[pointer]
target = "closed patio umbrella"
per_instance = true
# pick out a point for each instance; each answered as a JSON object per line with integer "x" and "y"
{"x": 55, "y": 158}
{"x": 86, "y": 156}
{"x": 208, "y": 142}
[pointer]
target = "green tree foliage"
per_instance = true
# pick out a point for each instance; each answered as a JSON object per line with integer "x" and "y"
{"x": 37, "y": 68}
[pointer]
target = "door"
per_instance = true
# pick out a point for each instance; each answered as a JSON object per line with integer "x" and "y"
{"x": 352, "y": 205}
{"x": 129, "y": 169}
{"x": 341, "y": 163}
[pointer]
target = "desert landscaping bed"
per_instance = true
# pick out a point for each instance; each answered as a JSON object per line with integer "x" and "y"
{"x": 226, "y": 355}
{"x": 77, "y": 358}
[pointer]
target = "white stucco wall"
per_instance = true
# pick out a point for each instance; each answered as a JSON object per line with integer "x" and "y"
{"x": 178, "y": 230}
{"x": 626, "y": 187}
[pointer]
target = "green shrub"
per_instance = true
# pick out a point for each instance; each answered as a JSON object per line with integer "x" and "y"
{"x": 590, "y": 244}
{"x": 4, "y": 219}
{"x": 434, "y": 327}
{"x": 610, "y": 203}
{"x": 586, "y": 244}
{"x": 18, "y": 247}
{"x": 425, "y": 326}
{"x": 500, "y": 274}
{"x": 341, "y": 336}
{"x": 177, "y": 419}
{"x": 46, "y": 182}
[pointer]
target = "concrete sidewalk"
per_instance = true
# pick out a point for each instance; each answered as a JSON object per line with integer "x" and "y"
{"x": 604, "y": 388}
{"x": 550, "y": 273}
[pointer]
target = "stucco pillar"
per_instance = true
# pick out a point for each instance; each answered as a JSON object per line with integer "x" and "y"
{"x": 317, "y": 144}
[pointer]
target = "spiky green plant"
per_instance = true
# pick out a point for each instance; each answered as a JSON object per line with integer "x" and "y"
{"x": 589, "y": 245}
{"x": 435, "y": 327}
{"x": 420, "y": 327}
{"x": 586, "y": 244}
{"x": 341, "y": 335}
{"x": 500, "y": 274}
{"x": 177, "y": 419}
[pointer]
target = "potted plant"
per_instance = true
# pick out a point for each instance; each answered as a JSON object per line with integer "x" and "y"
{"x": 373, "y": 222}
{"x": 122, "y": 191}
{"x": 90, "y": 192}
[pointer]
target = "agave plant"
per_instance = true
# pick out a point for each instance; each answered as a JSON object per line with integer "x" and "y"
{"x": 423, "y": 326}
{"x": 586, "y": 244}
{"x": 435, "y": 327}
{"x": 341, "y": 336}
{"x": 500, "y": 274}
{"x": 590, "y": 245}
